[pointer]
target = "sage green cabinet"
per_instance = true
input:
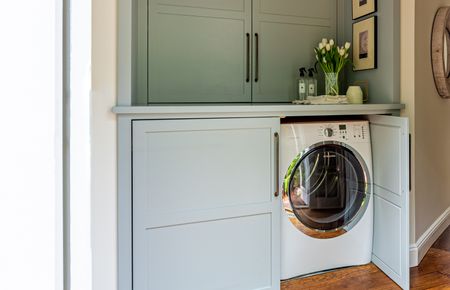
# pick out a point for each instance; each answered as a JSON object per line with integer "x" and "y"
{"x": 197, "y": 51}
{"x": 227, "y": 51}
{"x": 287, "y": 30}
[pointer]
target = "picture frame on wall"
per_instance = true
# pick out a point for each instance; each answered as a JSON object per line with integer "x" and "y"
{"x": 365, "y": 44}
{"x": 361, "y": 8}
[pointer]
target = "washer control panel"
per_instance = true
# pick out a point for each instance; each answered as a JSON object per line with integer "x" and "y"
{"x": 356, "y": 131}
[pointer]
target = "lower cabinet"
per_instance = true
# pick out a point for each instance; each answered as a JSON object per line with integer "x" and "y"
{"x": 205, "y": 210}
{"x": 199, "y": 206}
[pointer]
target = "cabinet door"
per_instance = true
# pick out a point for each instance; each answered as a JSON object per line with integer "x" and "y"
{"x": 390, "y": 150}
{"x": 198, "y": 51}
{"x": 205, "y": 215}
{"x": 285, "y": 34}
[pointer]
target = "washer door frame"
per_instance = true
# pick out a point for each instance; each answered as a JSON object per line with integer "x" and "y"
{"x": 317, "y": 233}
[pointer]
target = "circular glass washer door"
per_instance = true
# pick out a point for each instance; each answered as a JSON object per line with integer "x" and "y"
{"x": 326, "y": 190}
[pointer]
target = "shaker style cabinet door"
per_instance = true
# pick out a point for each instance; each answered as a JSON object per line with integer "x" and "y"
{"x": 390, "y": 150}
{"x": 285, "y": 34}
{"x": 205, "y": 212}
{"x": 197, "y": 51}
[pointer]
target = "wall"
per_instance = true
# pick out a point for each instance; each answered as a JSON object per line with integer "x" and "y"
{"x": 103, "y": 145}
{"x": 384, "y": 82}
{"x": 407, "y": 92}
{"x": 432, "y": 134}
{"x": 31, "y": 242}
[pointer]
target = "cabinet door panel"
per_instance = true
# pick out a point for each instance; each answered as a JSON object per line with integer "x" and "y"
{"x": 204, "y": 211}
{"x": 222, "y": 254}
{"x": 197, "y": 51}
{"x": 288, "y": 31}
{"x": 390, "y": 150}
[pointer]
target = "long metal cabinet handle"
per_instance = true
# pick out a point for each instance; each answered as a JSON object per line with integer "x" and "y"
{"x": 248, "y": 58}
{"x": 256, "y": 57}
{"x": 277, "y": 163}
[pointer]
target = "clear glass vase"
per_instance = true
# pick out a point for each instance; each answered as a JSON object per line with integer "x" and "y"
{"x": 332, "y": 84}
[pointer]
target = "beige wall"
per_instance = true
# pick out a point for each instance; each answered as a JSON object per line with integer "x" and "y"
{"x": 103, "y": 148}
{"x": 407, "y": 92}
{"x": 432, "y": 132}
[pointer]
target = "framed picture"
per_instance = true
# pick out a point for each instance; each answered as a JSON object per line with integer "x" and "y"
{"x": 363, "y": 7}
{"x": 365, "y": 44}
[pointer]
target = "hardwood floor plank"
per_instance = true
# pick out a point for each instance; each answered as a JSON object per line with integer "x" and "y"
{"x": 434, "y": 260}
{"x": 443, "y": 242}
{"x": 427, "y": 281}
{"x": 348, "y": 278}
{"x": 433, "y": 273}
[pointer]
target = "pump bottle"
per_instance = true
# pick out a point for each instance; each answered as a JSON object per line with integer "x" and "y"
{"x": 312, "y": 83}
{"x": 302, "y": 85}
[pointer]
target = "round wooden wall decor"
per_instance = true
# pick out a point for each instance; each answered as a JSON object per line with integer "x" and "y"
{"x": 440, "y": 52}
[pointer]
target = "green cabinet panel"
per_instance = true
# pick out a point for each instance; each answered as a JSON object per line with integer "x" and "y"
{"x": 287, "y": 31}
{"x": 197, "y": 51}
{"x": 227, "y": 51}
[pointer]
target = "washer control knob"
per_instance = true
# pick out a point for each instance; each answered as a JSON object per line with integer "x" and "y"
{"x": 328, "y": 132}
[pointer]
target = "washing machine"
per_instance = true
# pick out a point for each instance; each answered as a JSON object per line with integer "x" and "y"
{"x": 327, "y": 216}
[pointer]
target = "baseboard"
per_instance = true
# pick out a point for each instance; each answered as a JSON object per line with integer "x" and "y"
{"x": 418, "y": 250}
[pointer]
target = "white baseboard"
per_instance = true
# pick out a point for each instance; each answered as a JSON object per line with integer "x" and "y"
{"x": 418, "y": 250}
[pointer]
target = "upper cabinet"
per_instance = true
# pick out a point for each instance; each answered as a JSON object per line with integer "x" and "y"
{"x": 226, "y": 51}
{"x": 287, "y": 31}
{"x": 196, "y": 51}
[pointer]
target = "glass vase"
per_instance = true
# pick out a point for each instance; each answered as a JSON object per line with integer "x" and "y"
{"x": 332, "y": 84}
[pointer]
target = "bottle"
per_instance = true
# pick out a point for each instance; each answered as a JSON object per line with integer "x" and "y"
{"x": 312, "y": 83}
{"x": 302, "y": 85}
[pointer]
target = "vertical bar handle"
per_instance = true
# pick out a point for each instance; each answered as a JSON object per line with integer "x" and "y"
{"x": 248, "y": 58}
{"x": 277, "y": 163}
{"x": 256, "y": 57}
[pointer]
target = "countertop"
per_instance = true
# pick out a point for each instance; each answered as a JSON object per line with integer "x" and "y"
{"x": 253, "y": 110}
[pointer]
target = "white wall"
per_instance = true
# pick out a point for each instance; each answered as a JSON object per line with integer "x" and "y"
{"x": 103, "y": 150}
{"x": 30, "y": 146}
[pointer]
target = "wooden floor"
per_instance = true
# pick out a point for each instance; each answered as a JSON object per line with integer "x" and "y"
{"x": 432, "y": 273}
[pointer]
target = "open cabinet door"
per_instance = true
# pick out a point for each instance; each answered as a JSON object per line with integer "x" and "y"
{"x": 390, "y": 151}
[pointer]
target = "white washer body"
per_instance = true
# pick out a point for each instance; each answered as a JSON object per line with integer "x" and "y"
{"x": 300, "y": 253}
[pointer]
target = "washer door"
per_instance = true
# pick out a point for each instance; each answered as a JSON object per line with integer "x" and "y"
{"x": 326, "y": 190}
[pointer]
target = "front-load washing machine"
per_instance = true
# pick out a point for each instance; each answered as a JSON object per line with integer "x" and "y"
{"x": 327, "y": 221}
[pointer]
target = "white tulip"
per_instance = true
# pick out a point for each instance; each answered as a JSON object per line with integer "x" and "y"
{"x": 324, "y": 60}
{"x": 328, "y": 46}
{"x": 347, "y": 45}
{"x": 321, "y": 45}
{"x": 324, "y": 41}
{"x": 323, "y": 51}
{"x": 346, "y": 55}
{"x": 331, "y": 42}
{"x": 341, "y": 52}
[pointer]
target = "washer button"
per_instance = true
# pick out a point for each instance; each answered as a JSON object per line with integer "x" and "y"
{"x": 328, "y": 132}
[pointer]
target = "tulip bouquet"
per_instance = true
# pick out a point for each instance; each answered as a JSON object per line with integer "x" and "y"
{"x": 332, "y": 60}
